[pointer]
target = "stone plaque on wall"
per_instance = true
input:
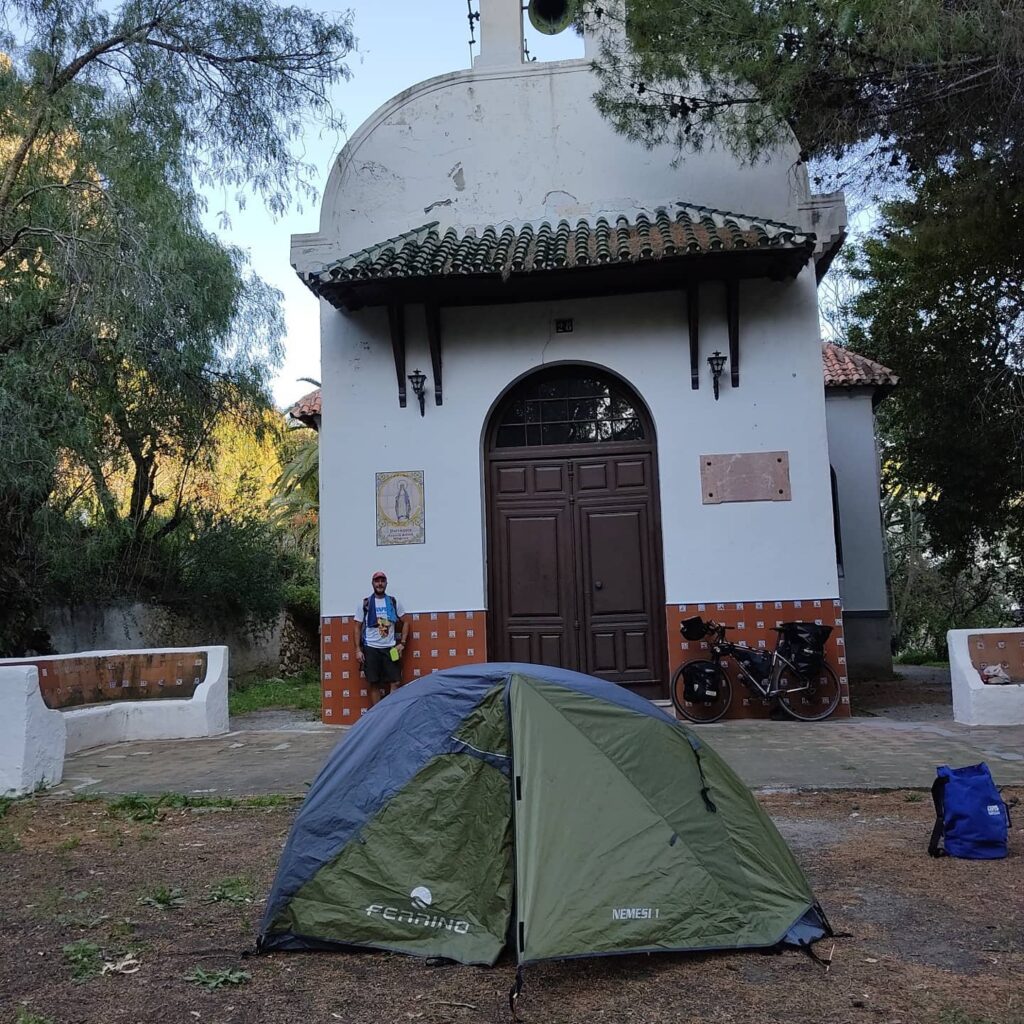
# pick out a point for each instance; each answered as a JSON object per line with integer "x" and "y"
{"x": 751, "y": 476}
{"x": 400, "y": 518}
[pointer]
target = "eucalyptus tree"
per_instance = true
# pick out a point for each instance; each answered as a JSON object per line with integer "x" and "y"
{"x": 894, "y": 85}
{"x": 126, "y": 329}
{"x": 916, "y": 105}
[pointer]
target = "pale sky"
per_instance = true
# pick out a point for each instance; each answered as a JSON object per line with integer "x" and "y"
{"x": 400, "y": 43}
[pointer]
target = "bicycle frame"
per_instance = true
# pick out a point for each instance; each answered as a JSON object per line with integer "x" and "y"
{"x": 768, "y": 688}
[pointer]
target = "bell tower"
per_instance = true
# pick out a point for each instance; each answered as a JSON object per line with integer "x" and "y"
{"x": 501, "y": 34}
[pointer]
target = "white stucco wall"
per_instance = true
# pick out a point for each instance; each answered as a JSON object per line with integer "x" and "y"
{"x": 35, "y": 739}
{"x": 854, "y": 457}
{"x": 524, "y": 142}
{"x": 976, "y": 702}
{"x": 520, "y": 144}
{"x": 740, "y": 551}
{"x": 32, "y": 739}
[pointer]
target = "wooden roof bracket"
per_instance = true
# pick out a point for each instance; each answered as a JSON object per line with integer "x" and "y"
{"x": 693, "y": 318}
{"x": 433, "y": 315}
{"x": 396, "y": 323}
{"x": 732, "y": 314}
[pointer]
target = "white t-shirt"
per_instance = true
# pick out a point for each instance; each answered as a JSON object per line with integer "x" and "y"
{"x": 381, "y": 636}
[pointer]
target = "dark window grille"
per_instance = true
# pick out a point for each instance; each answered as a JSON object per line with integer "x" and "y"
{"x": 567, "y": 406}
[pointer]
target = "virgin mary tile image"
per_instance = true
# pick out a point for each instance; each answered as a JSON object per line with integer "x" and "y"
{"x": 400, "y": 508}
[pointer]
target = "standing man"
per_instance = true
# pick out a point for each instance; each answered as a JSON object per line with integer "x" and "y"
{"x": 382, "y": 637}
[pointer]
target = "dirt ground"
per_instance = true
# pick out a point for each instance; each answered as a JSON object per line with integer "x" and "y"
{"x": 933, "y": 942}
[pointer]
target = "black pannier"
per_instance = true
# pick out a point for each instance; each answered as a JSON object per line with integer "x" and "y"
{"x": 806, "y": 660}
{"x": 693, "y": 628}
{"x": 803, "y": 646}
{"x": 806, "y": 634}
{"x": 757, "y": 663}
{"x": 701, "y": 682}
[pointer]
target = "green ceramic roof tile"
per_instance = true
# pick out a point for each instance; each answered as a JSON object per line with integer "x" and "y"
{"x": 679, "y": 230}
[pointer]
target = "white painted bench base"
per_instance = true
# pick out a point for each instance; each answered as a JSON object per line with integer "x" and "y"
{"x": 976, "y": 702}
{"x": 34, "y": 739}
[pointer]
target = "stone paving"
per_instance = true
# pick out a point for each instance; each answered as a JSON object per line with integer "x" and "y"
{"x": 279, "y": 753}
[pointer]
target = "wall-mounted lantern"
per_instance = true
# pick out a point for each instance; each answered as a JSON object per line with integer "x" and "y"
{"x": 418, "y": 379}
{"x": 717, "y": 363}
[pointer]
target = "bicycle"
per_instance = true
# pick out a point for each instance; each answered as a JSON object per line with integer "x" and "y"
{"x": 795, "y": 673}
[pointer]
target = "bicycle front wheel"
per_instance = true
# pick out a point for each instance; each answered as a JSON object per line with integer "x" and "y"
{"x": 702, "y": 712}
{"x": 810, "y": 699}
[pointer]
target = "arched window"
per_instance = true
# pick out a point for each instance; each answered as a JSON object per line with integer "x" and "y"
{"x": 567, "y": 405}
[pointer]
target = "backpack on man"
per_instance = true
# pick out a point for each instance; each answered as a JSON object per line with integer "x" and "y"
{"x": 971, "y": 817}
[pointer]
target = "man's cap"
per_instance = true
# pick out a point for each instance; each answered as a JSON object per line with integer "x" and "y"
{"x": 378, "y": 576}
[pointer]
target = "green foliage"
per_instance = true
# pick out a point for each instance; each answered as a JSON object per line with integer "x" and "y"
{"x": 9, "y": 841}
{"x": 25, "y": 1016}
{"x": 303, "y": 693}
{"x": 296, "y": 505}
{"x": 129, "y": 333}
{"x": 143, "y": 808}
{"x": 921, "y": 81}
{"x": 915, "y": 656}
{"x": 232, "y": 890}
{"x": 302, "y": 601}
{"x": 84, "y": 958}
{"x": 163, "y": 898}
{"x": 943, "y": 305}
{"x": 218, "y": 979}
{"x": 933, "y": 593}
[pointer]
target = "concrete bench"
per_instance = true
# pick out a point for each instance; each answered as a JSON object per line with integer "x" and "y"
{"x": 976, "y": 702}
{"x": 54, "y": 706}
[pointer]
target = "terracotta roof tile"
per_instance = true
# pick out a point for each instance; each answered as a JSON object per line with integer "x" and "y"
{"x": 504, "y": 250}
{"x": 307, "y": 409}
{"x": 846, "y": 369}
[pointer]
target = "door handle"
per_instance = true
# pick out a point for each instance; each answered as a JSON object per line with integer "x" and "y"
{"x": 598, "y": 584}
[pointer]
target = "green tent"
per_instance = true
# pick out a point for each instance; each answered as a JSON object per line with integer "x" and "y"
{"x": 504, "y": 804}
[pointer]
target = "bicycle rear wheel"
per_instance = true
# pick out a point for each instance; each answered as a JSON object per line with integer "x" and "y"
{"x": 809, "y": 699}
{"x": 701, "y": 712}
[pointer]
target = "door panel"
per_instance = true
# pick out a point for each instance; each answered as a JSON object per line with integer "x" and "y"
{"x": 619, "y": 612}
{"x": 575, "y": 567}
{"x": 531, "y": 563}
{"x": 532, "y": 542}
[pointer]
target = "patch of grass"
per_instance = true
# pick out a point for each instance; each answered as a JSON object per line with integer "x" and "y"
{"x": 9, "y": 841}
{"x": 913, "y": 797}
{"x": 301, "y": 693}
{"x": 959, "y": 1017}
{"x": 26, "y": 1016}
{"x": 913, "y": 657}
{"x": 69, "y": 844}
{"x": 231, "y": 890}
{"x": 217, "y": 979}
{"x": 164, "y": 898}
{"x": 5, "y": 803}
{"x": 140, "y": 807}
{"x": 84, "y": 958}
{"x": 123, "y": 928}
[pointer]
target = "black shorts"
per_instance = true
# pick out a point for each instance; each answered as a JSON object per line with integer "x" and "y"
{"x": 378, "y": 667}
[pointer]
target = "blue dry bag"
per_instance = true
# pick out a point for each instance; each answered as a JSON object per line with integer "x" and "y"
{"x": 971, "y": 819}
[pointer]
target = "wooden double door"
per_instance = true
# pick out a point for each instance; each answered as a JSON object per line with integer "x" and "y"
{"x": 575, "y": 562}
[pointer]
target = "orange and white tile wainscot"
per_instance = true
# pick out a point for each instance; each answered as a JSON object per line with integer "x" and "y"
{"x": 436, "y": 640}
{"x": 753, "y": 623}
{"x": 439, "y": 640}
